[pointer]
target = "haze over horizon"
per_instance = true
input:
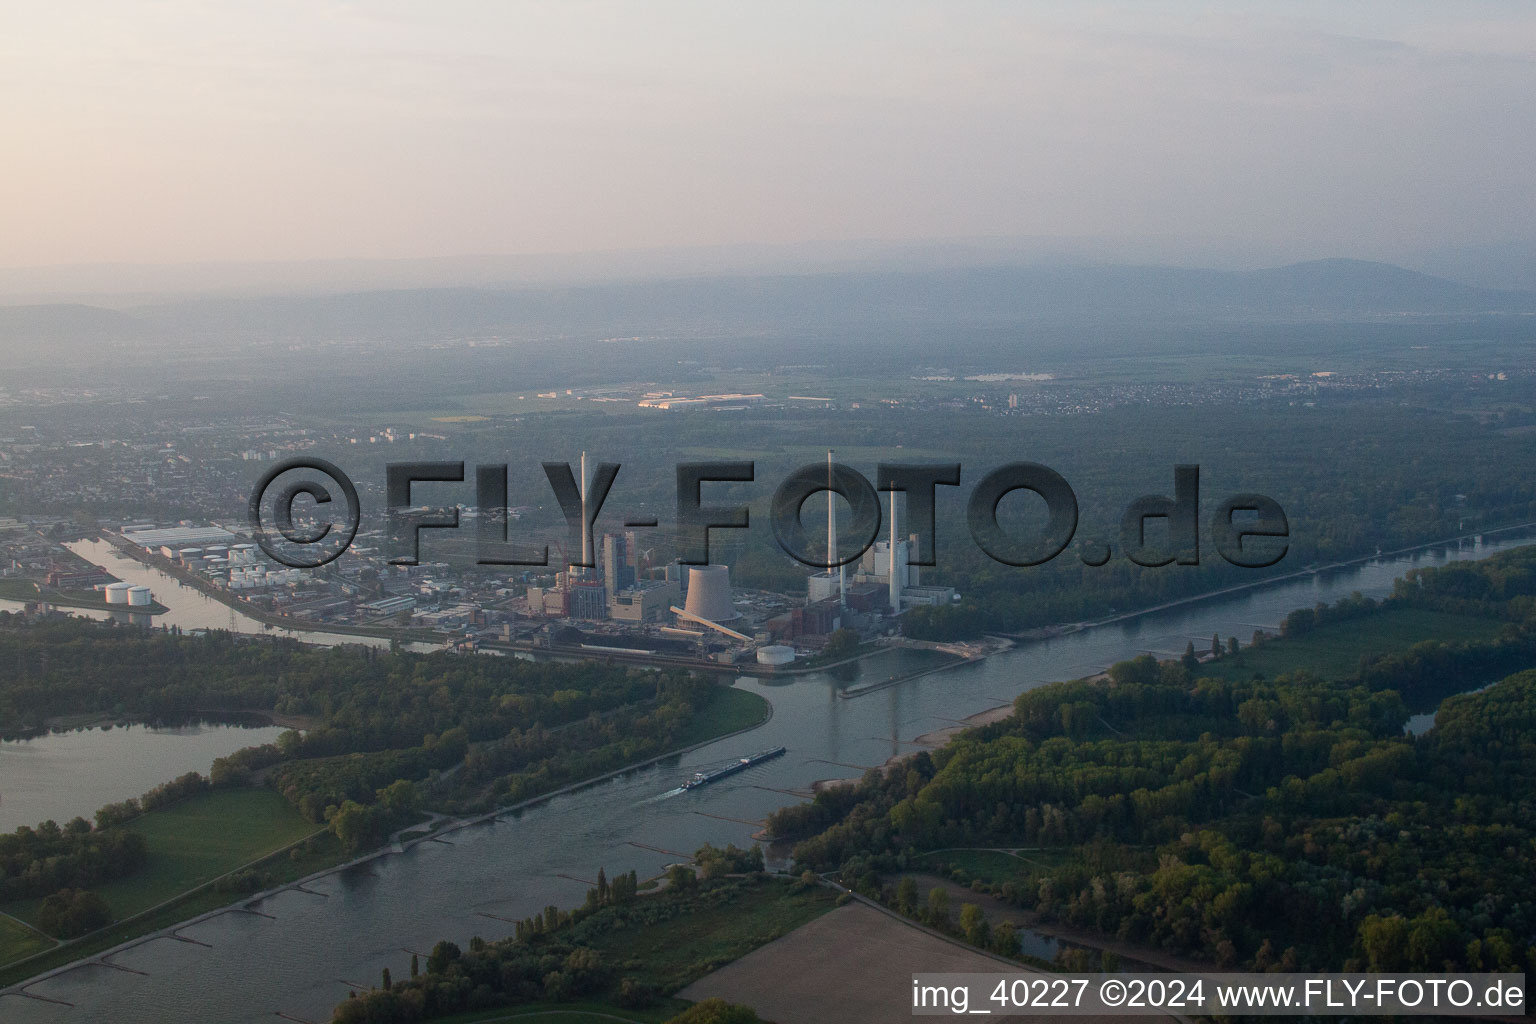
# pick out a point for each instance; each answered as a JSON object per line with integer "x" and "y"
{"x": 1181, "y": 133}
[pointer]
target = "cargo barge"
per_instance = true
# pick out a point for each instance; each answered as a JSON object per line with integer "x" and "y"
{"x": 705, "y": 778}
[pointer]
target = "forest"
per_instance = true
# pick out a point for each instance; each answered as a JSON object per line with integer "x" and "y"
{"x": 386, "y": 728}
{"x": 1250, "y": 822}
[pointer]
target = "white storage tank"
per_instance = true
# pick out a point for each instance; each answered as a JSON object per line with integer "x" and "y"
{"x": 775, "y": 654}
{"x": 140, "y": 597}
{"x": 117, "y": 593}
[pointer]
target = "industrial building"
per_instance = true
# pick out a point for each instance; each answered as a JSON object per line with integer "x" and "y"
{"x": 618, "y": 561}
{"x": 816, "y": 619}
{"x": 645, "y": 601}
{"x": 614, "y": 590}
{"x": 78, "y": 579}
{"x": 550, "y": 601}
{"x": 391, "y": 605}
{"x": 587, "y": 598}
{"x": 875, "y": 568}
{"x": 175, "y": 538}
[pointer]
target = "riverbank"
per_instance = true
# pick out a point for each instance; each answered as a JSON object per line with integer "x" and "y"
{"x": 1270, "y": 581}
{"x": 206, "y": 901}
{"x": 929, "y": 740}
{"x": 198, "y": 716}
{"x": 939, "y": 737}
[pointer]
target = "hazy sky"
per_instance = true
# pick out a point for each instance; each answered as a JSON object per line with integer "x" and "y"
{"x": 288, "y": 129}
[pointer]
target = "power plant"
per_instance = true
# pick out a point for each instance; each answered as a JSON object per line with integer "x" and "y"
{"x": 709, "y": 594}
{"x": 886, "y": 575}
{"x": 824, "y": 586}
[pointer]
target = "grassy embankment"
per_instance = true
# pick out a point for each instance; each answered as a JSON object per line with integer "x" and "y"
{"x": 191, "y": 844}
{"x": 18, "y": 941}
{"x": 730, "y": 711}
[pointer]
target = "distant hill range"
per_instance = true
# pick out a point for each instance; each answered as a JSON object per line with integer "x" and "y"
{"x": 1317, "y": 291}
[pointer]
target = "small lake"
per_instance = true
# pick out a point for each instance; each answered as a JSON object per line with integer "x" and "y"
{"x": 1418, "y": 725}
{"x": 63, "y": 774}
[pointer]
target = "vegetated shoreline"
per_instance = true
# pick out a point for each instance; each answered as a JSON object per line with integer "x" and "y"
{"x": 199, "y": 716}
{"x": 386, "y": 849}
{"x": 937, "y": 738}
{"x": 930, "y": 740}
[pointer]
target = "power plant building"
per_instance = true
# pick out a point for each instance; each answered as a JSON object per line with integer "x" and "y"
{"x": 645, "y": 601}
{"x": 586, "y": 599}
{"x": 618, "y": 562}
{"x": 875, "y": 569}
{"x": 709, "y": 594}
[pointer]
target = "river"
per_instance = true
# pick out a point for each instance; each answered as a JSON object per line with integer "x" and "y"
{"x": 318, "y": 945}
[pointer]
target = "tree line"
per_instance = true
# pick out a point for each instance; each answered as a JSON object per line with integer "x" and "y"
{"x": 1257, "y": 823}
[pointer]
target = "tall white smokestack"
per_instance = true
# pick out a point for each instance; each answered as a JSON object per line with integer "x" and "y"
{"x": 586, "y": 534}
{"x": 842, "y": 576}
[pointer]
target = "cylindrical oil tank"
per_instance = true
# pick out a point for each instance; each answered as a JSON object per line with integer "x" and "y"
{"x": 140, "y": 597}
{"x": 117, "y": 593}
{"x": 775, "y": 654}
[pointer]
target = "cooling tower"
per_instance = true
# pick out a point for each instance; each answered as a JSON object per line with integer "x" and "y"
{"x": 709, "y": 593}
